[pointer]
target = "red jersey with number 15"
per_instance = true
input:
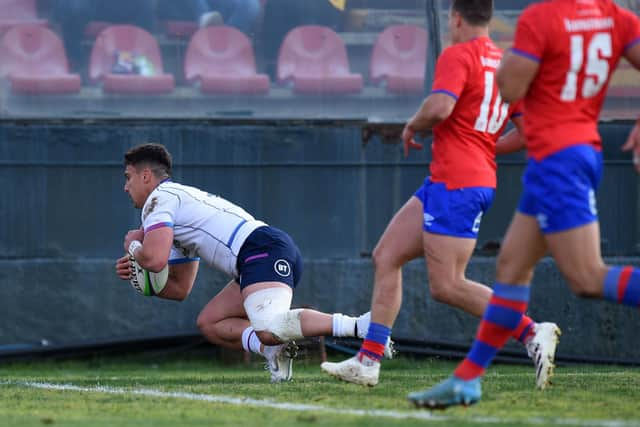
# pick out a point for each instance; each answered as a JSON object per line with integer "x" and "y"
{"x": 578, "y": 44}
{"x": 464, "y": 144}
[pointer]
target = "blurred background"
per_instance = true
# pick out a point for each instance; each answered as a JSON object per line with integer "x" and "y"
{"x": 290, "y": 108}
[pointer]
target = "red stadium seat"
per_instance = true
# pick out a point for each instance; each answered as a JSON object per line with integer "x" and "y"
{"x": 221, "y": 59}
{"x": 34, "y": 62}
{"x": 16, "y": 12}
{"x": 128, "y": 38}
{"x": 313, "y": 59}
{"x": 399, "y": 59}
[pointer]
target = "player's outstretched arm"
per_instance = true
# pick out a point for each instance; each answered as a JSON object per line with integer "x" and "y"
{"x": 513, "y": 140}
{"x": 435, "y": 109}
{"x": 514, "y": 76}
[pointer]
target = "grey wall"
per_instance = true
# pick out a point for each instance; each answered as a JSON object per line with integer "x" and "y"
{"x": 64, "y": 214}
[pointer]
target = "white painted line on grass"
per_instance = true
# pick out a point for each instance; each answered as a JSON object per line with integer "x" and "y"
{"x": 301, "y": 407}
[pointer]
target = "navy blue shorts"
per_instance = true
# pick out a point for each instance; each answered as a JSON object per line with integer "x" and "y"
{"x": 456, "y": 213}
{"x": 560, "y": 190}
{"x": 269, "y": 255}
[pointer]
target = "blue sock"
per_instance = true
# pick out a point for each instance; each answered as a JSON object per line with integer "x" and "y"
{"x": 374, "y": 343}
{"x": 622, "y": 285}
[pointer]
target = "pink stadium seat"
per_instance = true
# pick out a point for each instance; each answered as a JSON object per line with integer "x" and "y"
{"x": 127, "y": 38}
{"x": 313, "y": 59}
{"x": 399, "y": 58}
{"x": 221, "y": 59}
{"x": 15, "y": 12}
{"x": 34, "y": 61}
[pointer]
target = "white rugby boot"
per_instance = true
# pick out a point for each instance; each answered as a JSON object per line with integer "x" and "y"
{"x": 362, "y": 325}
{"x": 541, "y": 348}
{"x": 280, "y": 360}
{"x": 354, "y": 371}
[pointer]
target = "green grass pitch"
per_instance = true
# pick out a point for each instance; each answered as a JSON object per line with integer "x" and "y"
{"x": 196, "y": 390}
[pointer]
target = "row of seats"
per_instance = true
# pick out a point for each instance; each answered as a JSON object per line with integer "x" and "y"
{"x": 312, "y": 60}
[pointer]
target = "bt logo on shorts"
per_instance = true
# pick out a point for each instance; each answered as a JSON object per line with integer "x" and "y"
{"x": 282, "y": 267}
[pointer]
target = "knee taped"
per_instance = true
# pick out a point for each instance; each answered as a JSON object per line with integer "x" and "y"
{"x": 286, "y": 326}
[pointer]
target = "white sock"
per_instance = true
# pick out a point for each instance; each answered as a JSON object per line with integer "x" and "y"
{"x": 344, "y": 326}
{"x": 250, "y": 341}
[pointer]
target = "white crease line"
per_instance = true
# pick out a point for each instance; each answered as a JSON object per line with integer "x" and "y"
{"x": 301, "y": 407}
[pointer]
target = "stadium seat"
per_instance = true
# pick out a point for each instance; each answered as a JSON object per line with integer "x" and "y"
{"x": 221, "y": 60}
{"x": 128, "y": 38}
{"x": 399, "y": 58}
{"x": 313, "y": 60}
{"x": 34, "y": 62}
{"x": 15, "y": 12}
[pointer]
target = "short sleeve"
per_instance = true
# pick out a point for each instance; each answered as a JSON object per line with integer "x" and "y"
{"x": 630, "y": 28}
{"x": 529, "y": 40}
{"x": 159, "y": 211}
{"x": 451, "y": 72}
{"x": 516, "y": 110}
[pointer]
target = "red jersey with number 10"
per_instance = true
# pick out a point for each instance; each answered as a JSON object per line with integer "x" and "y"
{"x": 464, "y": 144}
{"x": 578, "y": 44}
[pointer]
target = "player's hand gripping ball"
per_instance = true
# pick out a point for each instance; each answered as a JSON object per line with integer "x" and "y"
{"x": 146, "y": 282}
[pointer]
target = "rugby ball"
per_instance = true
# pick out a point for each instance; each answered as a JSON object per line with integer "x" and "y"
{"x": 146, "y": 282}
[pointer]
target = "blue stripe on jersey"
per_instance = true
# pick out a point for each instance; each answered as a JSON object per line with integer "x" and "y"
{"x": 233, "y": 235}
{"x": 446, "y": 92}
{"x": 525, "y": 54}
{"x": 182, "y": 260}
{"x": 518, "y": 114}
{"x": 158, "y": 225}
{"x": 632, "y": 43}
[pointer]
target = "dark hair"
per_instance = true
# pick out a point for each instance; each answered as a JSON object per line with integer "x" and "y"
{"x": 155, "y": 156}
{"x": 475, "y": 12}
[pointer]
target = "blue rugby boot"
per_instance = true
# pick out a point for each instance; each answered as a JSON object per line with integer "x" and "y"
{"x": 452, "y": 391}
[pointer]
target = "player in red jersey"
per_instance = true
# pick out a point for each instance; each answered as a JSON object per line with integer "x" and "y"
{"x": 563, "y": 56}
{"x": 466, "y": 114}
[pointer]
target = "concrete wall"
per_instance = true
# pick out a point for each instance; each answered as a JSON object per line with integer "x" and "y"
{"x": 64, "y": 215}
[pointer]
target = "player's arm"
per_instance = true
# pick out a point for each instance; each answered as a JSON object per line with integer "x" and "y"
{"x": 152, "y": 253}
{"x": 513, "y": 140}
{"x": 435, "y": 109}
{"x": 515, "y": 74}
{"x": 181, "y": 279}
{"x": 632, "y": 55}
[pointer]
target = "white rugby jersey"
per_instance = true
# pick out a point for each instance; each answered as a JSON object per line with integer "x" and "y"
{"x": 204, "y": 225}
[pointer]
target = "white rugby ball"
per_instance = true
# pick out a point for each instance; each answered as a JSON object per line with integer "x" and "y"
{"x": 146, "y": 282}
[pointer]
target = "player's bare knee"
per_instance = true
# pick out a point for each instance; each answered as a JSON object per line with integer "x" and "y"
{"x": 203, "y": 321}
{"x": 383, "y": 259}
{"x": 584, "y": 284}
{"x": 440, "y": 288}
